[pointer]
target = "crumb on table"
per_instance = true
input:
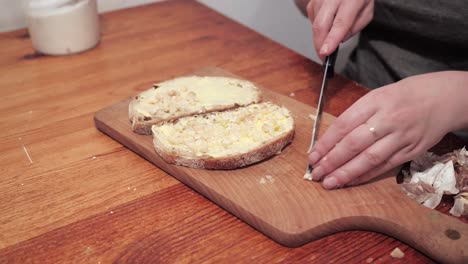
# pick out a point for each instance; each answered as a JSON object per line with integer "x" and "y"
{"x": 397, "y": 253}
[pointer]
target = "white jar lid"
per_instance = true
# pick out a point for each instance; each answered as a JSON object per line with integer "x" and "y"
{"x": 52, "y": 7}
{"x": 41, "y": 4}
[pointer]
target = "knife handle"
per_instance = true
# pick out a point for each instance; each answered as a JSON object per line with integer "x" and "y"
{"x": 330, "y": 61}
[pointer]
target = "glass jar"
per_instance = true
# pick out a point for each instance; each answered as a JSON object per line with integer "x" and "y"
{"x": 60, "y": 27}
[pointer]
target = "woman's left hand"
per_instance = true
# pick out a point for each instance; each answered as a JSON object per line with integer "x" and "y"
{"x": 389, "y": 126}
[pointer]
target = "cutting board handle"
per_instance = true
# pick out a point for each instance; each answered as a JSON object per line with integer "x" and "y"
{"x": 443, "y": 237}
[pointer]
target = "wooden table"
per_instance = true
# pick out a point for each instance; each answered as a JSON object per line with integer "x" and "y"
{"x": 72, "y": 194}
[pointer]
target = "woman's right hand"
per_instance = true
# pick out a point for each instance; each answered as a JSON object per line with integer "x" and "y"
{"x": 335, "y": 21}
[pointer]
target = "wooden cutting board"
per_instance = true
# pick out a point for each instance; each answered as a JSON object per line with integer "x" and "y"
{"x": 292, "y": 211}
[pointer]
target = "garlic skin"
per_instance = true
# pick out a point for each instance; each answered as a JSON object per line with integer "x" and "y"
{"x": 431, "y": 176}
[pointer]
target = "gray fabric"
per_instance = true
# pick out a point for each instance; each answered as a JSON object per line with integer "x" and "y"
{"x": 407, "y": 38}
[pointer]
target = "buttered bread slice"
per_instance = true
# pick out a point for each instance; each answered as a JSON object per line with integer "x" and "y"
{"x": 225, "y": 140}
{"x": 185, "y": 96}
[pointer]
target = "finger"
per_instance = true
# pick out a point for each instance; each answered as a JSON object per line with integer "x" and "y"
{"x": 312, "y": 9}
{"x": 323, "y": 21}
{"x": 354, "y": 116}
{"x": 364, "y": 17}
{"x": 345, "y": 18}
{"x": 395, "y": 160}
{"x": 366, "y": 161}
{"x": 349, "y": 147}
{"x": 375, "y": 173}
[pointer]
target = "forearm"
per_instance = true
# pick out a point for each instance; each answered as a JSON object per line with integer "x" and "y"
{"x": 461, "y": 81}
{"x": 449, "y": 90}
{"x": 444, "y": 93}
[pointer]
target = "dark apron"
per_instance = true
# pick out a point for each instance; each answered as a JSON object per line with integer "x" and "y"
{"x": 410, "y": 37}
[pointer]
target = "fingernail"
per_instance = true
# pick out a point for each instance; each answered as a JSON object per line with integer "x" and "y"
{"x": 314, "y": 157}
{"x": 330, "y": 183}
{"x": 324, "y": 49}
{"x": 317, "y": 173}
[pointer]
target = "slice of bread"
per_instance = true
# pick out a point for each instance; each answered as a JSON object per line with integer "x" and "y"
{"x": 185, "y": 96}
{"x": 225, "y": 140}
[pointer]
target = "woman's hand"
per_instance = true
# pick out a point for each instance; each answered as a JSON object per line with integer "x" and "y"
{"x": 335, "y": 21}
{"x": 389, "y": 126}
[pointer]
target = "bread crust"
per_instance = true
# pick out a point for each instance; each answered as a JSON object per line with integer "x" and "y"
{"x": 263, "y": 152}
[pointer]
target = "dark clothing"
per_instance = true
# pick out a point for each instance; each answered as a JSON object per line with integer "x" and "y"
{"x": 409, "y": 37}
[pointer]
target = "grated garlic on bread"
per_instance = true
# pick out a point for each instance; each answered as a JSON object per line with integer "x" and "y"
{"x": 225, "y": 140}
{"x": 185, "y": 96}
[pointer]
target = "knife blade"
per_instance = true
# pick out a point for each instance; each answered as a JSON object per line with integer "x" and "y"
{"x": 328, "y": 73}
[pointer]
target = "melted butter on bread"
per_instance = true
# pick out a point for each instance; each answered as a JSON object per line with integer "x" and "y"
{"x": 224, "y": 134}
{"x": 194, "y": 94}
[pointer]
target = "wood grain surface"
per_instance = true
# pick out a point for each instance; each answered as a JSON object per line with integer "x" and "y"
{"x": 293, "y": 211}
{"x": 82, "y": 197}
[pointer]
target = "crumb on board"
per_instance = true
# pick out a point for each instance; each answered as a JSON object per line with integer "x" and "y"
{"x": 308, "y": 176}
{"x": 397, "y": 253}
{"x": 93, "y": 157}
{"x": 27, "y": 153}
{"x": 128, "y": 188}
{"x": 292, "y": 94}
{"x": 111, "y": 212}
{"x": 369, "y": 260}
{"x": 267, "y": 178}
{"x": 134, "y": 189}
{"x": 313, "y": 117}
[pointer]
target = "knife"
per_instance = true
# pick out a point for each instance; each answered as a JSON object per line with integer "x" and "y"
{"x": 328, "y": 65}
